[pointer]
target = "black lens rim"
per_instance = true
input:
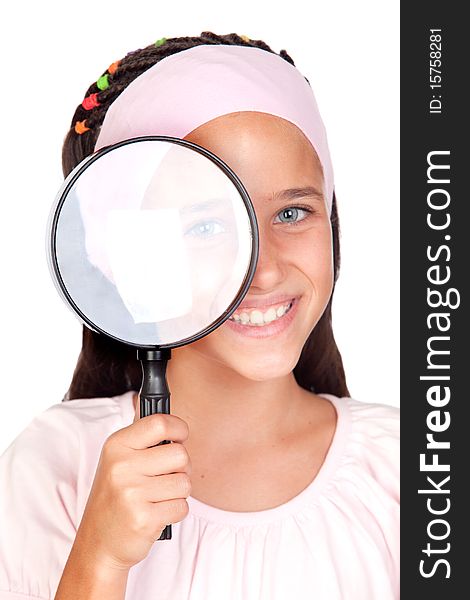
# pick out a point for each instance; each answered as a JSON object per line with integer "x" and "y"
{"x": 65, "y": 189}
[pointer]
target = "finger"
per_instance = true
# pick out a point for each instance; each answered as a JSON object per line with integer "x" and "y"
{"x": 169, "y": 511}
{"x": 152, "y": 430}
{"x": 167, "y": 487}
{"x": 159, "y": 460}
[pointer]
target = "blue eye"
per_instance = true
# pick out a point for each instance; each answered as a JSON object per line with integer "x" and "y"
{"x": 205, "y": 229}
{"x": 292, "y": 214}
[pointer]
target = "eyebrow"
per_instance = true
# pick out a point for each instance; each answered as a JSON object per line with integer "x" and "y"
{"x": 298, "y": 193}
{"x": 204, "y": 206}
{"x": 283, "y": 196}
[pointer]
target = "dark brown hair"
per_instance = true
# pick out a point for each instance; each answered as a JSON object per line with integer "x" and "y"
{"x": 108, "y": 368}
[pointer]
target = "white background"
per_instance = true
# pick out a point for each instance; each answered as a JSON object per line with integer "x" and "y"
{"x": 51, "y": 53}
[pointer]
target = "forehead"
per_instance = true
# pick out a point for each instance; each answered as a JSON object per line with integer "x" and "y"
{"x": 250, "y": 122}
{"x": 267, "y": 152}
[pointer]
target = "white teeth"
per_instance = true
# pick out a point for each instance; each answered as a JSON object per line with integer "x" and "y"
{"x": 258, "y": 318}
{"x": 270, "y": 315}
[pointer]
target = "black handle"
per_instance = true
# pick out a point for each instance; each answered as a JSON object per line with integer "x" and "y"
{"x": 154, "y": 393}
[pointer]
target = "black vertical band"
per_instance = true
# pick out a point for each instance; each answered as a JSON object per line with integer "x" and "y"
{"x": 435, "y": 261}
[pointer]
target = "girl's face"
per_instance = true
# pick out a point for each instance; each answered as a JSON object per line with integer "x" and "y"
{"x": 294, "y": 276}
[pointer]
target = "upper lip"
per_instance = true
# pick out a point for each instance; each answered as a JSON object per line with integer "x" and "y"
{"x": 264, "y": 302}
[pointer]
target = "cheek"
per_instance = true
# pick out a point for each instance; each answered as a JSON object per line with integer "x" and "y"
{"x": 323, "y": 263}
{"x": 311, "y": 254}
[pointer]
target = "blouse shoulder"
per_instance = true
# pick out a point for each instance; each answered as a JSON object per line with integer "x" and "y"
{"x": 375, "y": 442}
{"x": 45, "y": 476}
{"x": 365, "y": 487}
{"x": 371, "y": 446}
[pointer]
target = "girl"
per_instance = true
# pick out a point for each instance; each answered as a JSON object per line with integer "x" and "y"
{"x": 279, "y": 484}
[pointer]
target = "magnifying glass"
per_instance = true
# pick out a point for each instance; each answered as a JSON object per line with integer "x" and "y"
{"x": 153, "y": 242}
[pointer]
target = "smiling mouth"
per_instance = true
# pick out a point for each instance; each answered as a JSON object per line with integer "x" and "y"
{"x": 258, "y": 318}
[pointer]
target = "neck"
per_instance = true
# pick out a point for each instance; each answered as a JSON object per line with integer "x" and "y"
{"x": 222, "y": 405}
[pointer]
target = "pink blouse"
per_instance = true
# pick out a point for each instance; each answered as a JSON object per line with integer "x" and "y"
{"x": 336, "y": 540}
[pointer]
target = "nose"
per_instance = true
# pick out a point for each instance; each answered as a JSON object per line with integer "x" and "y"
{"x": 270, "y": 269}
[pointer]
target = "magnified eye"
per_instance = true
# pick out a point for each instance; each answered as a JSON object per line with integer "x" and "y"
{"x": 205, "y": 229}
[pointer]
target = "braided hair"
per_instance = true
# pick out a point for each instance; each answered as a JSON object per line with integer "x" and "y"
{"x": 106, "y": 367}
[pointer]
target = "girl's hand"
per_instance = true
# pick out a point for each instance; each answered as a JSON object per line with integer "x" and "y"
{"x": 138, "y": 489}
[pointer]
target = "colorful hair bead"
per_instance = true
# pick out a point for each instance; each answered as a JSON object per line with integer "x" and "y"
{"x": 103, "y": 82}
{"x": 245, "y": 38}
{"x": 113, "y": 68}
{"x": 90, "y": 102}
{"x": 80, "y": 127}
{"x": 160, "y": 42}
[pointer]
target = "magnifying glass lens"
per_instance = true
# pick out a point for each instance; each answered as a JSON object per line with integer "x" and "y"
{"x": 152, "y": 241}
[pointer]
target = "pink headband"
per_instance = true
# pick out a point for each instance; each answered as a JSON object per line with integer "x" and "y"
{"x": 190, "y": 88}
